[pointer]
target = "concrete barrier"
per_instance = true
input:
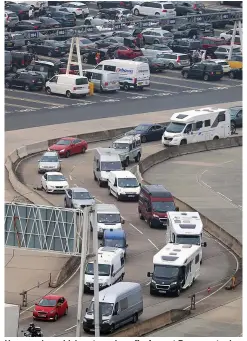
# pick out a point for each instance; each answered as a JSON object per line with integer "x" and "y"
{"x": 22, "y": 152}
{"x": 37, "y": 147}
{"x": 67, "y": 271}
{"x": 14, "y": 156}
{"x": 156, "y": 322}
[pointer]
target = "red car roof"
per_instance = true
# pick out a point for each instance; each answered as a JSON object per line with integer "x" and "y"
{"x": 68, "y": 138}
{"x": 52, "y": 297}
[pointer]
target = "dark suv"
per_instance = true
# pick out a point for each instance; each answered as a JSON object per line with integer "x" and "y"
{"x": 25, "y": 80}
{"x": 65, "y": 19}
{"x": 203, "y": 70}
{"x": 184, "y": 45}
{"x": 20, "y": 60}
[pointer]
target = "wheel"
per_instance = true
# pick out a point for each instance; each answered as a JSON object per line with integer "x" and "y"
{"x": 56, "y": 317}
{"x": 65, "y": 204}
{"x": 170, "y": 66}
{"x": 141, "y": 216}
{"x": 156, "y": 41}
{"x": 118, "y": 199}
{"x": 112, "y": 329}
{"x": 157, "y": 14}
{"x": 233, "y": 127}
{"x": 66, "y": 312}
{"x": 231, "y": 75}
{"x": 183, "y": 142}
{"x": 136, "y": 12}
{"x": 100, "y": 183}
{"x": 67, "y": 154}
{"x": 86, "y": 330}
{"x": 127, "y": 162}
{"x": 83, "y": 150}
{"x": 26, "y": 87}
{"x": 135, "y": 318}
{"x": 150, "y": 224}
{"x": 126, "y": 86}
{"x": 7, "y": 85}
{"x": 85, "y": 60}
{"x": 49, "y": 53}
{"x": 178, "y": 292}
{"x": 68, "y": 94}
{"x": 216, "y": 138}
{"x": 152, "y": 292}
{"x": 206, "y": 77}
{"x": 48, "y": 90}
{"x": 87, "y": 22}
{"x": 143, "y": 139}
{"x": 185, "y": 75}
{"x": 137, "y": 158}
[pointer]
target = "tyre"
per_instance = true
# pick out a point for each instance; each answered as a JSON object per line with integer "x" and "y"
{"x": 143, "y": 139}
{"x": 231, "y": 75}
{"x": 170, "y": 66}
{"x": 49, "y": 53}
{"x": 152, "y": 292}
{"x": 85, "y": 60}
{"x": 87, "y": 22}
{"x": 233, "y": 127}
{"x": 126, "y": 87}
{"x": 94, "y": 176}
{"x": 136, "y": 12}
{"x": 7, "y": 85}
{"x": 112, "y": 329}
{"x": 178, "y": 292}
{"x": 156, "y": 41}
{"x": 206, "y": 77}
{"x": 26, "y": 87}
{"x": 67, "y": 154}
{"x": 48, "y": 90}
{"x": 216, "y": 138}
{"x": 141, "y": 216}
{"x": 135, "y": 318}
{"x": 109, "y": 191}
{"x": 150, "y": 224}
{"x": 157, "y": 14}
{"x": 65, "y": 204}
{"x": 66, "y": 312}
{"x": 68, "y": 94}
{"x": 86, "y": 330}
{"x": 83, "y": 150}
{"x": 183, "y": 142}
{"x": 56, "y": 317}
{"x": 137, "y": 158}
{"x": 127, "y": 162}
{"x": 185, "y": 75}
{"x": 100, "y": 183}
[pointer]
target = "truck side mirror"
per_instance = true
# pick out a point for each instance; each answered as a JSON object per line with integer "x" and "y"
{"x": 122, "y": 221}
{"x": 115, "y": 183}
{"x": 204, "y": 244}
{"x": 149, "y": 274}
{"x": 177, "y": 208}
{"x": 126, "y": 245}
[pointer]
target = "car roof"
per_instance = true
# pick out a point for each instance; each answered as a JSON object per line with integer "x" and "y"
{"x": 8, "y": 12}
{"x": 79, "y": 189}
{"x": 67, "y": 138}
{"x": 54, "y": 173}
{"x": 32, "y": 21}
{"x": 212, "y": 38}
{"x": 52, "y": 297}
{"x": 237, "y": 107}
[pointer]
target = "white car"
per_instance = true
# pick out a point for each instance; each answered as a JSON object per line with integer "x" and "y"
{"x": 228, "y": 34}
{"x": 160, "y": 9}
{"x": 78, "y": 8}
{"x": 98, "y": 20}
{"x": 53, "y": 182}
{"x": 225, "y": 66}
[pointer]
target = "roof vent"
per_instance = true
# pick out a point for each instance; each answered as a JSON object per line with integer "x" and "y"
{"x": 177, "y": 221}
{"x": 176, "y": 250}
{"x": 181, "y": 116}
{"x": 186, "y": 246}
{"x": 173, "y": 254}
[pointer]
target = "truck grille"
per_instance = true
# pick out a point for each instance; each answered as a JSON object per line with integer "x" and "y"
{"x": 168, "y": 138}
{"x": 162, "y": 287}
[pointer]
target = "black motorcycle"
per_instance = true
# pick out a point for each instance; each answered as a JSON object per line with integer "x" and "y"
{"x": 33, "y": 331}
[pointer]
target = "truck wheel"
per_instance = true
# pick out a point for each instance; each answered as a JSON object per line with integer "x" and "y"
{"x": 206, "y": 77}
{"x": 141, "y": 216}
{"x": 127, "y": 162}
{"x": 137, "y": 158}
{"x": 126, "y": 87}
{"x": 135, "y": 318}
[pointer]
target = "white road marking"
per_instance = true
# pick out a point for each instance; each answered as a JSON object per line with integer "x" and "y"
{"x": 75, "y": 185}
{"x": 148, "y": 283}
{"x": 150, "y": 241}
{"x": 136, "y": 228}
{"x": 224, "y": 196}
{"x": 99, "y": 201}
{"x": 69, "y": 328}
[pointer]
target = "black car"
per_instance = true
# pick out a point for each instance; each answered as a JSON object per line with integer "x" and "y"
{"x": 111, "y": 13}
{"x": 196, "y": 30}
{"x": 48, "y": 48}
{"x": 64, "y": 18}
{"x": 184, "y": 45}
{"x": 20, "y": 9}
{"x": 155, "y": 64}
{"x": 218, "y": 23}
{"x": 148, "y": 132}
{"x": 24, "y": 25}
{"x": 47, "y": 22}
{"x": 185, "y": 8}
{"x": 103, "y": 43}
{"x": 20, "y": 59}
{"x": 25, "y": 80}
{"x": 203, "y": 70}
{"x": 112, "y": 4}
{"x": 89, "y": 57}
{"x": 236, "y": 74}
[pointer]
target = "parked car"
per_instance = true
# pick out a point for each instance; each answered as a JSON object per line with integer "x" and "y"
{"x": 68, "y": 146}
{"x": 112, "y": 4}
{"x": 78, "y": 198}
{"x": 185, "y": 8}
{"x": 236, "y": 62}
{"x": 25, "y": 80}
{"x": 50, "y": 307}
{"x": 225, "y": 66}
{"x": 156, "y": 36}
{"x": 222, "y": 52}
{"x": 211, "y": 43}
{"x": 232, "y": 3}
{"x": 162, "y": 9}
{"x": 10, "y": 17}
{"x": 84, "y": 43}
{"x": 20, "y": 59}
{"x": 175, "y": 60}
{"x": 155, "y": 64}
{"x": 153, "y": 50}
{"x": 48, "y": 48}
{"x": 14, "y": 41}
{"x": 24, "y": 25}
{"x": 124, "y": 52}
{"x": 184, "y": 45}
{"x": 148, "y": 132}
{"x": 111, "y": 13}
{"x": 21, "y": 10}
{"x": 80, "y": 9}
{"x": 44, "y": 68}
{"x": 7, "y": 61}
{"x": 98, "y": 20}
{"x": 64, "y": 18}
{"x": 89, "y": 57}
{"x": 236, "y": 114}
{"x": 204, "y": 70}
{"x": 47, "y": 22}
{"x": 236, "y": 73}
{"x": 103, "y": 43}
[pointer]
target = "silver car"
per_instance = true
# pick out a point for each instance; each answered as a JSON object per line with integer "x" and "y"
{"x": 78, "y": 198}
{"x": 153, "y": 50}
{"x": 49, "y": 162}
{"x": 175, "y": 60}
{"x": 222, "y": 51}
{"x": 156, "y": 36}
{"x": 17, "y": 40}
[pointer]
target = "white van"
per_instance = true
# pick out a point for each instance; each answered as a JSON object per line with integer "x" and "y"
{"x": 105, "y": 160}
{"x": 197, "y": 126}
{"x": 103, "y": 80}
{"x": 67, "y": 85}
{"x": 131, "y": 74}
{"x": 108, "y": 217}
{"x": 123, "y": 185}
{"x": 111, "y": 268}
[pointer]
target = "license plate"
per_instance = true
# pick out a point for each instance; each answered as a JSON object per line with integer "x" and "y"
{"x": 162, "y": 291}
{"x": 131, "y": 196}
{"x": 140, "y": 83}
{"x": 9, "y": 44}
{"x": 218, "y": 73}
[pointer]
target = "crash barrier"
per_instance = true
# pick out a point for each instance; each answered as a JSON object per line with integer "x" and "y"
{"x": 156, "y": 322}
{"x": 66, "y": 271}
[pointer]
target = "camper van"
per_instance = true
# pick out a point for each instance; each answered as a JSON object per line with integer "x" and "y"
{"x": 120, "y": 304}
{"x": 105, "y": 160}
{"x": 176, "y": 267}
{"x": 111, "y": 268}
{"x": 197, "y": 126}
{"x": 108, "y": 218}
{"x": 131, "y": 74}
{"x": 184, "y": 228}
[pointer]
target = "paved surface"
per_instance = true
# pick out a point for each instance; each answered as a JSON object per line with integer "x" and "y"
{"x": 211, "y": 182}
{"x": 167, "y": 91}
{"x": 218, "y": 263}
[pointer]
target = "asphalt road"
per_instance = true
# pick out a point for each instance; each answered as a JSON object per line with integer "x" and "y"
{"x": 218, "y": 263}
{"x": 210, "y": 181}
{"x": 167, "y": 91}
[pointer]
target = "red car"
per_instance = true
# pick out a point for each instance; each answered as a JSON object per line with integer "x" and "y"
{"x": 68, "y": 146}
{"x": 50, "y": 307}
{"x": 124, "y": 52}
{"x": 74, "y": 70}
{"x": 211, "y": 43}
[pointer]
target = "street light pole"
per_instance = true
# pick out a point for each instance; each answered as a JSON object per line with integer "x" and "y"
{"x": 84, "y": 248}
{"x": 96, "y": 276}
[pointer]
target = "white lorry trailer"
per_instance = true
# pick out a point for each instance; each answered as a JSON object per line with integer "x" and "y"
{"x": 12, "y": 313}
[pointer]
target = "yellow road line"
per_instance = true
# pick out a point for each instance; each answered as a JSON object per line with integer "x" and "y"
{"x": 35, "y": 101}
{"x": 19, "y": 106}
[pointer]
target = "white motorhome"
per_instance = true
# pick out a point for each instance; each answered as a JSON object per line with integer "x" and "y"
{"x": 184, "y": 228}
{"x": 108, "y": 218}
{"x": 111, "y": 268}
{"x": 123, "y": 185}
{"x": 176, "y": 267}
{"x": 197, "y": 126}
{"x": 131, "y": 74}
{"x": 105, "y": 160}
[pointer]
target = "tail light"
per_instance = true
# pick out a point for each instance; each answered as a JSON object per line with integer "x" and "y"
{"x": 106, "y": 83}
{"x": 211, "y": 73}
{"x": 165, "y": 215}
{"x": 178, "y": 59}
{"x": 164, "y": 11}
{"x": 20, "y": 12}
{"x": 36, "y": 27}
{"x": 135, "y": 80}
{"x": 78, "y": 9}
{"x": 33, "y": 81}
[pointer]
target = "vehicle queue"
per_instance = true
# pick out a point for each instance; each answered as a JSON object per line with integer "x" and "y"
{"x": 177, "y": 265}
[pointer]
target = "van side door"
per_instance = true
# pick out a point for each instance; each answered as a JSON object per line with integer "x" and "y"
{"x": 96, "y": 79}
{"x": 53, "y": 85}
{"x": 124, "y": 312}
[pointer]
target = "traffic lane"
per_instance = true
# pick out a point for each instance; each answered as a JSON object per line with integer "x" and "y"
{"x": 185, "y": 176}
{"x": 15, "y": 121}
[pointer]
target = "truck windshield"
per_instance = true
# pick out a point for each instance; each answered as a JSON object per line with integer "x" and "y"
{"x": 108, "y": 218}
{"x": 175, "y": 127}
{"x": 163, "y": 206}
{"x": 121, "y": 146}
{"x": 166, "y": 271}
{"x": 110, "y": 166}
{"x": 127, "y": 183}
{"x": 185, "y": 239}
{"x": 105, "y": 308}
{"x": 104, "y": 269}
{"x": 120, "y": 243}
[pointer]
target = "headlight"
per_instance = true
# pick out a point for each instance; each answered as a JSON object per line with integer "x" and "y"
{"x": 106, "y": 321}
{"x": 84, "y": 320}
{"x": 63, "y": 150}
{"x": 174, "y": 283}
{"x": 153, "y": 281}
{"x": 52, "y": 312}
{"x": 155, "y": 216}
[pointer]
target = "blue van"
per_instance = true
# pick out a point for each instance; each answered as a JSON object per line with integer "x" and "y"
{"x": 115, "y": 238}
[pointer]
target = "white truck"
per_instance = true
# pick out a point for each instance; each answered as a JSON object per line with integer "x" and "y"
{"x": 12, "y": 313}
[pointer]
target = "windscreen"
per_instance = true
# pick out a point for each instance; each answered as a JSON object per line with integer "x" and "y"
{"x": 111, "y": 166}
{"x": 81, "y": 195}
{"x": 55, "y": 177}
{"x": 127, "y": 183}
{"x": 184, "y": 57}
{"x": 47, "y": 303}
{"x": 63, "y": 143}
{"x": 81, "y": 81}
{"x": 120, "y": 243}
{"x": 163, "y": 206}
{"x": 105, "y": 308}
{"x": 108, "y": 218}
{"x": 104, "y": 269}
{"x": 188, "y": 239}
{"x": 121, "y": 146}
{"x": 166, "y": 271}
{"x": 175, "y": 127}
{"x": 49, "y": 159}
